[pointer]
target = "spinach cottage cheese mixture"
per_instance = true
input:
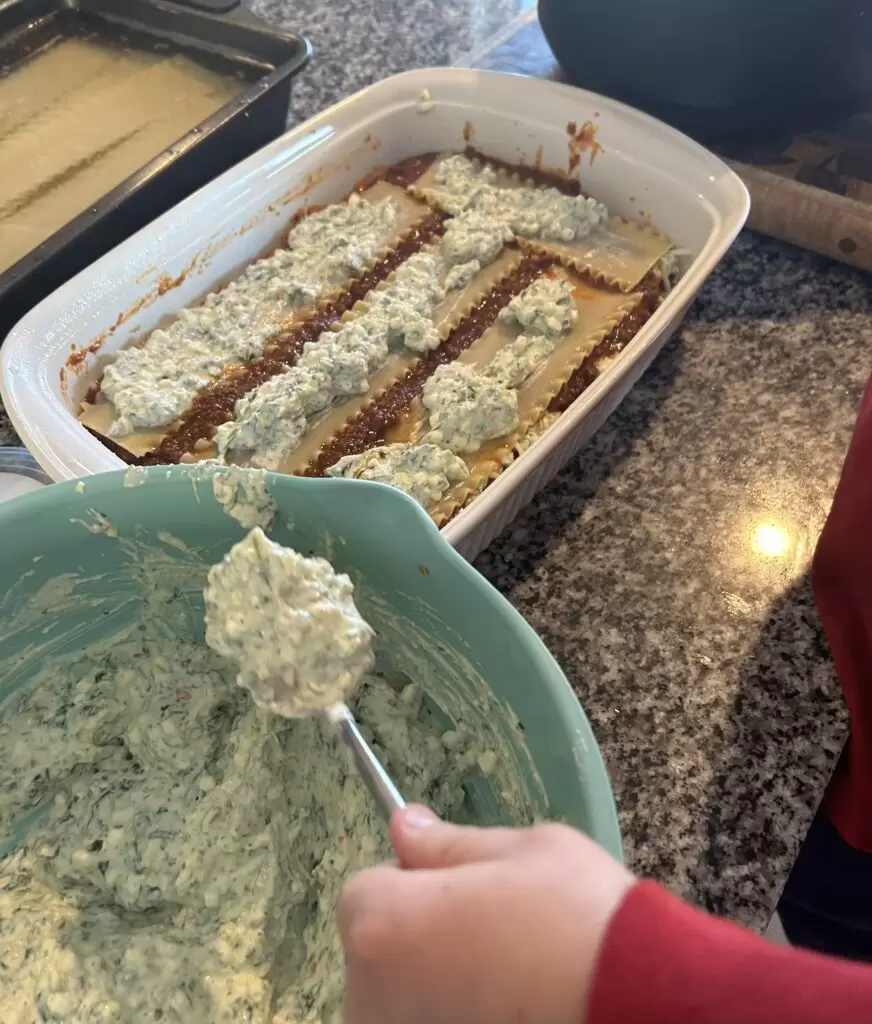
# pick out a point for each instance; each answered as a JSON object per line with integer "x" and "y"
{"x": 186, "y": 849}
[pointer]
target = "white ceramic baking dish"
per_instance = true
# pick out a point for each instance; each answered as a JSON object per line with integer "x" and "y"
{"x": 644, "y": 170}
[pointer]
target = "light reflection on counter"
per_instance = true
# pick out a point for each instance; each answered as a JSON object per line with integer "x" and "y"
{"x": 771, "y": 540}
{"x": 765, "y": 542}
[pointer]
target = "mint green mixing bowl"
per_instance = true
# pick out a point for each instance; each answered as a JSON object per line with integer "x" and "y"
{"x": 63, "y": 587}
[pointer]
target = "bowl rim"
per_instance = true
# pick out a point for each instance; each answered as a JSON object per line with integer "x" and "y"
{"x": 601, "y": 814}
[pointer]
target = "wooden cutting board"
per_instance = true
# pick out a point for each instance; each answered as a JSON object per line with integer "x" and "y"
{"x": 815, "y": 189}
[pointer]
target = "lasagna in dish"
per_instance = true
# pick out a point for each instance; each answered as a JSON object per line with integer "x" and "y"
{"x": 420, "y": 333}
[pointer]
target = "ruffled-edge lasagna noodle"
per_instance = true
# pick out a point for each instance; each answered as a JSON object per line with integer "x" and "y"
{"x": 423, "y": 333}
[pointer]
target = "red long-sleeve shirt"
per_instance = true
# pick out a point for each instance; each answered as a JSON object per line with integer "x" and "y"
{"x": 662, "y": 962}
{"x": 842, "y": 580}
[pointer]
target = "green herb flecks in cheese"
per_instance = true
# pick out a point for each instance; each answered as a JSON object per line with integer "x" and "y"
{"x": 545, "y": 312}
{"x": 471, "y": 241}
{"x": 545, "y": 307}
{"x": 243, "y": 494}
{"x": 467, "y": 408}
{"x": 518, "y": 360}
{"x": 542, "y": 213}
{"x": 423, "y": 471}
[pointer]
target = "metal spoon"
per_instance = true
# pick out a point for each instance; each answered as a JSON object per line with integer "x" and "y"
{"x": 372, "y": 771}
{"x": 244, "y": 598}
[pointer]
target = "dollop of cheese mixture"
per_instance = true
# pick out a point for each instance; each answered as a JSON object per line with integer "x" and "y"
{"x": 467, "y": 408}
{"x": 153, "y": 384}
{"x": 423, "y": 471}
{"x": 243, "y": 494}
{"x": 471, "y": 242}
{"x": 186, "y": 849}
{"x": 544, "y": 213}
{"x": 290, "y": 624}
{"x": 546, "y": 308}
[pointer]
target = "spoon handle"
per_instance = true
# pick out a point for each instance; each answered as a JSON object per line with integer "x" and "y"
{"x": 375, "y": 778}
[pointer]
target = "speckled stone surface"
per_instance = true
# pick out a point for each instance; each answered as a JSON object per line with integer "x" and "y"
{"x": 666, "y": 567}
{"x": 357, "y": 43}
{"x": 7, "y": 434}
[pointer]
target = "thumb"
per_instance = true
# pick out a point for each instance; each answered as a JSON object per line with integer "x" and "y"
{"x": 423, "y": 841}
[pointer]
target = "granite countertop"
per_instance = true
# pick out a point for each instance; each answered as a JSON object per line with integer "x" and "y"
{"x": 667, "y": 566}
{"x": 358, "y": 42}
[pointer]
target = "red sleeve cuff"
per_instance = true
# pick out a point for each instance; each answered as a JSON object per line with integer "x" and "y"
{"x": 662, "y": 962}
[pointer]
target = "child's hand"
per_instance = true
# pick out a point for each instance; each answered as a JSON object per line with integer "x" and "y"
{"x": 485, "y": 926}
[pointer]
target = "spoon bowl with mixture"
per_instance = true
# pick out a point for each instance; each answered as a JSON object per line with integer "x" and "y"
{"x": 291, "y": 625}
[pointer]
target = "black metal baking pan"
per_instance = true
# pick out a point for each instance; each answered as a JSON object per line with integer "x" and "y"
{"x": 265, "y": 59}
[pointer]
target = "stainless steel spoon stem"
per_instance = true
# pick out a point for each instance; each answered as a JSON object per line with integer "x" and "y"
{"x": 376, "y": 779}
